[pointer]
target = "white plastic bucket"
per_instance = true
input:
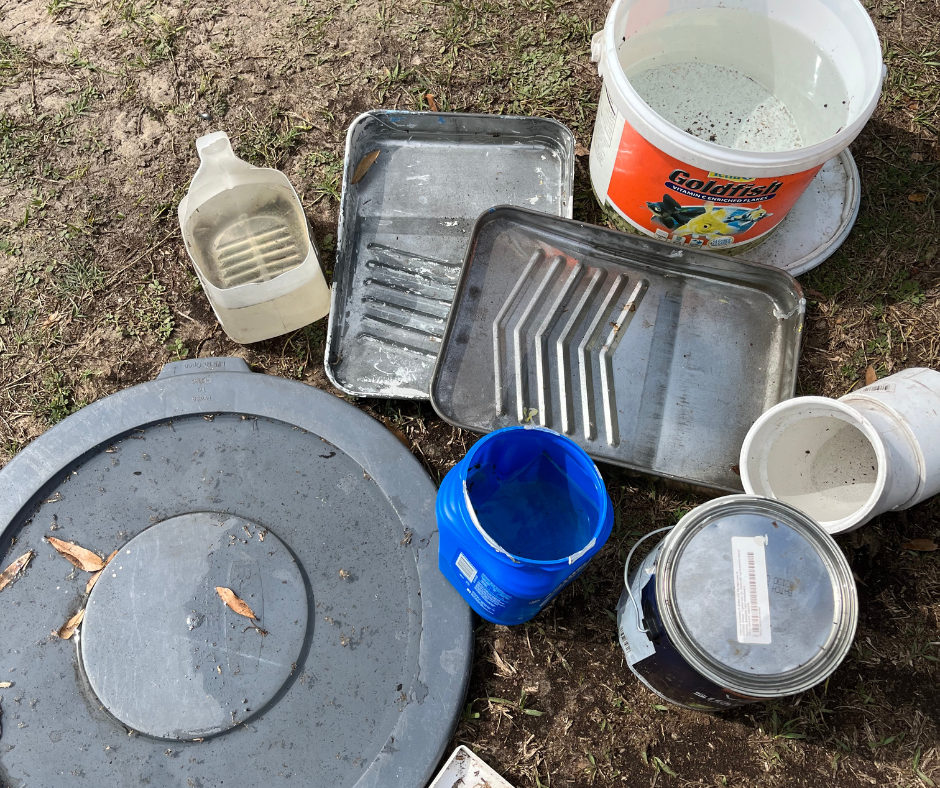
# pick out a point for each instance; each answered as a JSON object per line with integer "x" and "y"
{"x": 845, "y": 461}
{"x": 819, "y": 59}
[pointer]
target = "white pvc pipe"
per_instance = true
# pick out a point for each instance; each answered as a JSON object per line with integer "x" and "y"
{"x": 907, "y": 405}
{"x": 846, "y": 461}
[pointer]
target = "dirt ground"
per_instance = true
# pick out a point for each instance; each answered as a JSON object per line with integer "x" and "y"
{"x": 100, "y": 102}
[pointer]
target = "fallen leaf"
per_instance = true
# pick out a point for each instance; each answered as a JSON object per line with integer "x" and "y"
{"x": 231, "y": 599}
{"x": 432, "y": 103}
{"x": 917, "y": 157}
{"x": 84, "y": 559}
{"x": 53, "y": 318}
{"x": 815, "y": 294}
{"x": 94, "y": 578}
{"x": 363, "y": 166}
{"x": 6, "y": 684}
{"x": 580, "y": 150}
{"x": 344, "y": 574}
{"x": 10, "y": 574}
{"x": 68, "y": 629}
{"x": 920, "y": 545}
{"x": 870, "y": 376}
{"x": 917, "y": 197}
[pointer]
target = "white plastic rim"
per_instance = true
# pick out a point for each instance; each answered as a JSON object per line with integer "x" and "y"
{"x": 849, "y": 37}
{"x": 818, "y": 224}
{"x": 822, "y": 457}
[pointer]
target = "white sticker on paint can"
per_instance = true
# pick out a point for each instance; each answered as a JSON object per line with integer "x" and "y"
{"x": 751, "y": 594}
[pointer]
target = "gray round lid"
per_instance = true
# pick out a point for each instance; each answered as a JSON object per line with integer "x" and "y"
{"x": 756, "y": 595}
{"x": 342, "y": 656}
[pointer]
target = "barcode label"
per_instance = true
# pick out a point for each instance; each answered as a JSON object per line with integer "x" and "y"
{"x": 467, "y": 569}
{"x": 751, "y": 594}
{"x": 878, "y": 387}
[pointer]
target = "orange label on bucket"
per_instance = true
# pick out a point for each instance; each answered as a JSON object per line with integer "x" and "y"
{"x": 677, "y": 202}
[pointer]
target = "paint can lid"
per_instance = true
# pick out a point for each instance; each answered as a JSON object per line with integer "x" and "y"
{"x": 756, "y": 596}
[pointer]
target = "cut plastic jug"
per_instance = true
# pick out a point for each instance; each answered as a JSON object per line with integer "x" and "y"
{"x": 246, "y": 233}
{"x": 845, "y": 461}
{"x": 713, "y": 119}
{"x": 519, "y": 517}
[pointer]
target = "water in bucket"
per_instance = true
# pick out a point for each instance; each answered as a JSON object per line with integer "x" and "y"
{"x": 737, "y": 79}
{"x": 536, "y": 513}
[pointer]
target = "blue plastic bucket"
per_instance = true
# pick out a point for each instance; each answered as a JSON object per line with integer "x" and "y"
{"x": 519, "y": 518}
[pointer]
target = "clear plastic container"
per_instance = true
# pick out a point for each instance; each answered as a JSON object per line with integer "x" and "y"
{"x": 246, "y": 233}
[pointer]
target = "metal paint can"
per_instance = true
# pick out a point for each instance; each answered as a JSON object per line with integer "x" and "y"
{"x": 746, "y": 598}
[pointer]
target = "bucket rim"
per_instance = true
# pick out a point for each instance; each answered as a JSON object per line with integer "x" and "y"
{"x": 845, "y": 598}
{"x": 604, "y": 510}
{"x": 687, "y": 147}
{"x": 837, "y": 409}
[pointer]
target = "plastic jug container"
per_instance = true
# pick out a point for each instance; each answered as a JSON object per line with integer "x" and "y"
{"x": 519, "y": 517}
{"x": 246, "y": 233}
{"x": 715, "y": 116}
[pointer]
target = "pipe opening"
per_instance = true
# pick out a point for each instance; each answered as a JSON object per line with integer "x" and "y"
{"x": 824, "y": 466}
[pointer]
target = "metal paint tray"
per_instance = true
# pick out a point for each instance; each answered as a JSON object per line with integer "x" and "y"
{"x": 404, "y": 227}
{"x": 648, "y": 356}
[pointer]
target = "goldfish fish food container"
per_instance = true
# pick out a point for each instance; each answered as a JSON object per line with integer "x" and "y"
{"x": 713, "y": 120}
{"x": 246, "y": 233}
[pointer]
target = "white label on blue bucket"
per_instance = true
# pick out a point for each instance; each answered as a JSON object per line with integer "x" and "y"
{"x": 489, "y": 596}
{"x": 751, "y": 595}
{"x": 467, "y": 569}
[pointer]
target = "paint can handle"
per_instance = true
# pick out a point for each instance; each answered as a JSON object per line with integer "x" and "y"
{"x": 626, "y": 575}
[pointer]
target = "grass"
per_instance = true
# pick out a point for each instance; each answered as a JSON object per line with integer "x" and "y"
{"x": 269, "y": 140}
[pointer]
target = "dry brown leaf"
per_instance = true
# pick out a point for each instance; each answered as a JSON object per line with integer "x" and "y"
{"x": 870, "y": 376}
{"x": 363, "y": 166}
{"x": 917, "y": 197}
{"x": 238, "y": 605}
{"x": 10, "y": 574}
{"x": 68, "y": 629}
{"x": 94, "y": 578}
{"x": 580, "y": 150}
{"x": 920, "y": 545}
{"x": 84, "y": 559}
{"x": 432, "y": 104}
{"x": 52, "y": 319}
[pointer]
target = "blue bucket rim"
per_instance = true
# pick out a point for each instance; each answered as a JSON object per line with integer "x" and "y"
{"x": 501, "y": 553}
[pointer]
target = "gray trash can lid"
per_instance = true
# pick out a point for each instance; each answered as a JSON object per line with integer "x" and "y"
{"x": 352, "y": 670}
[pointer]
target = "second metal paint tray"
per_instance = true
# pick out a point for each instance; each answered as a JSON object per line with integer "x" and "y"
{"x": 404, "y": 227}
{"x": 648, "y": 356}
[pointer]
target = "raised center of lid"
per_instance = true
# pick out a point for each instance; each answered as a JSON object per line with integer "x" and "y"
{"x": 165, "y": 654}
